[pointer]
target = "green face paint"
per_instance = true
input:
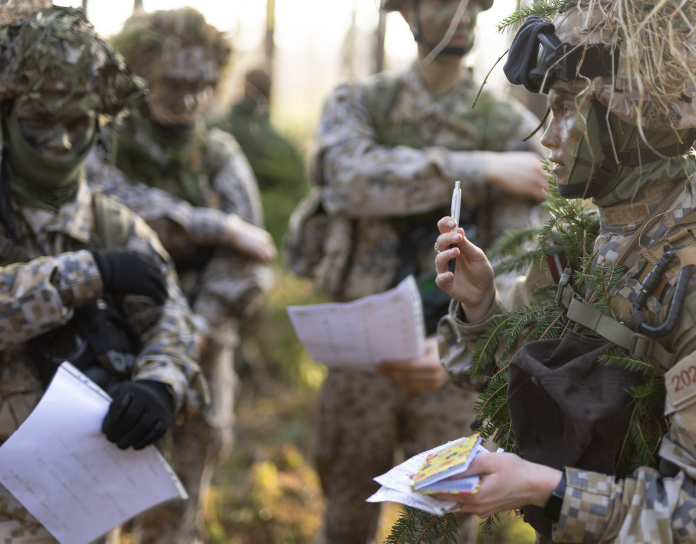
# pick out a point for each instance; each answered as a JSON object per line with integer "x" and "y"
{"x": 46, "y": 155}
{"x": 566, "y": 129}
{"x": 55, "y": 133}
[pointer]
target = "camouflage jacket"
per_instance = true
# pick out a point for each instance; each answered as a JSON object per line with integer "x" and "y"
{"x": 190, "y": 206}
{"x": 387, "y": 153}
{"x": 40, "y": 295}
{"x": 650, "y": 506}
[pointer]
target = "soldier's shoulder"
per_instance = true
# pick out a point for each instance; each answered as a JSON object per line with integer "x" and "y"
{"x": 220, "y": 147}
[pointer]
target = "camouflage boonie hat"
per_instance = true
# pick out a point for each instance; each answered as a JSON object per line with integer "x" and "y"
{"x": 38, "y": 40}
{"x": 177, "y": 44}
{"x": 654, "y": 86}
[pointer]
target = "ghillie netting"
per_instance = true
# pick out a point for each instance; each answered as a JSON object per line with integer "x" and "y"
{"x": 147, "y": 37}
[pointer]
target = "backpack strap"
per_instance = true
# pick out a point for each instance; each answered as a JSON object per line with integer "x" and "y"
{"x": 591, "y": 318}
{"x": 380, "y": 97}
{"x": 113, "y": 222}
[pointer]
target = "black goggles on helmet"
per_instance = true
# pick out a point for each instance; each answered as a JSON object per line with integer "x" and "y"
{"x": 537, "y": 58}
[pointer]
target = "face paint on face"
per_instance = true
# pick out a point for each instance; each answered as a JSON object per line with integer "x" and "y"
{"x": 436, "y": 17}
{"x": 567, "y": 126}
{"x": 178, "y": 102}
{"x": 55, "y": 131}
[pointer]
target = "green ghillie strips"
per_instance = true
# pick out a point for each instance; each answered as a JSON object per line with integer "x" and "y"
{"x": 146, "y": 37}
{"x": 59, "y": 40}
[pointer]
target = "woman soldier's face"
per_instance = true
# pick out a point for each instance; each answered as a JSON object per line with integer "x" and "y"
{"x": 52, "y": 130}
{"x": 567, "y": 126}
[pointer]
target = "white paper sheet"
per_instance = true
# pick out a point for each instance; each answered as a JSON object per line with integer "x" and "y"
{"x": 64, "y": 471}
{"x": 396, "y": 484}
{"x": 386, "y": 326}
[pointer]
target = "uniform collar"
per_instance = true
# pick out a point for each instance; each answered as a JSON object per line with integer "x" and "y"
{"x": 74, "y": 218}
{"x": 628, "y": 216}
{"x": 414, "y": 85}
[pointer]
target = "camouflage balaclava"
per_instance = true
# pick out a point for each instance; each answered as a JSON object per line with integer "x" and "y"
{"x": 177, "y": 45}
{"x": 54, "y": 49}
{"x": 637, "y": 96}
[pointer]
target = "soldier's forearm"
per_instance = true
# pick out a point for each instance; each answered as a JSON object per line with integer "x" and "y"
{"x": 364, "y": 181}
{"x": 38, "y": 296}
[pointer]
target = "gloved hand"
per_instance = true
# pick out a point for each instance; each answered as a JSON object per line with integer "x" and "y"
{"x": 125, "y": 271}
{"x": 139, "y": 414}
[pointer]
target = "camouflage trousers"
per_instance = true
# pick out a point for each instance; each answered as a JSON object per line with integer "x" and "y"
{"x": 197, "y": 449}
{"x": 364, "y": 418}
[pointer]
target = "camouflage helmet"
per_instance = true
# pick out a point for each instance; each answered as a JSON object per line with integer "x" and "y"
{"x": 37, "y": 39}
{"x": 636, "y": 58}
{"x": 178, "y": 43}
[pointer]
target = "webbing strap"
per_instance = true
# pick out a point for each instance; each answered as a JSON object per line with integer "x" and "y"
{"x": 591, "y": 318}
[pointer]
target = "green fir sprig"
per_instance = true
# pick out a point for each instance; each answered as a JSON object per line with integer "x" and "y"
{"x": 540, "y": 8}
{"x": 418, "y": 527}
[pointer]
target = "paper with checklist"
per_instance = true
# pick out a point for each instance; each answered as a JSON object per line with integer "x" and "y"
{"x": 365, "y": 332}
{"x": 64, "y": 471}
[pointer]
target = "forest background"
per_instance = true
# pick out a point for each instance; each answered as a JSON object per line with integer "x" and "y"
{"x": 267, "y": 491}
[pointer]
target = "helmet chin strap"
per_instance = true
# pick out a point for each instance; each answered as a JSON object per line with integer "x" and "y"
{"x": 418, "y": 37}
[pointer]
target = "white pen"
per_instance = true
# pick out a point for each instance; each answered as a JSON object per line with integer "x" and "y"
{"x": 456, "y": 210}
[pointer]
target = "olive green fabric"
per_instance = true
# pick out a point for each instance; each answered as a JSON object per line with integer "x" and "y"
{"x": 183, "y": 164}
{"x": 60, "y": 39}
{"x": 627, "y": 180}
{"x": 36, "y": 181}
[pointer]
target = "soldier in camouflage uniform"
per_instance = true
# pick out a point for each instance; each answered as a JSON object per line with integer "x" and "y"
{"x": 387, "y": 153}
{"x": 196, "y": 189}
{"x": 66, "y": 252}
{"x": 645, "y": 209}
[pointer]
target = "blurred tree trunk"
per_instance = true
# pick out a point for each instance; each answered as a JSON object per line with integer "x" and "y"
{"x": 84, "y": 5}
{"x": 379, "y": 45}
{"x": 138, "y": 4}
{"x": 270, "y": 29}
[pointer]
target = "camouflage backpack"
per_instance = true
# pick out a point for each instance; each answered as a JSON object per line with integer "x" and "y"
{"x": 319, "y": 245}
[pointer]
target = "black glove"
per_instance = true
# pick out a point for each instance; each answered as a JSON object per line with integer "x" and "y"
{"x": 140, "y": 414}
{"x": 125, "y": 271}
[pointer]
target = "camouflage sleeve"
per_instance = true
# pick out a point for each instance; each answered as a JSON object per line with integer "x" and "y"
{"x": 38, "y": 296}
{"x": 231, "y": 286}
{"x": 364, "y": 179}
{"x": 196, "y": 225}
{"x": 647, "y": 508}
{"x": 456, "y": 340}
{"x": 234, "y": 181}
{"x": 169, "y": 348}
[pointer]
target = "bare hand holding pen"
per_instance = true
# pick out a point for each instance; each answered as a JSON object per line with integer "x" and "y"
{"x": 472, "y": 281}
